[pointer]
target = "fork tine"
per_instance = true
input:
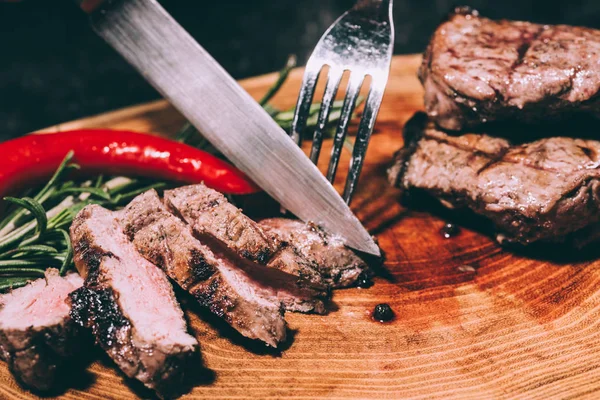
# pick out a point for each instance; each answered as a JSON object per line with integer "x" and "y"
{"x": 362, "y": 139}
{"x": 352, "y": 92}
{"x": 333, "y": 83}
{"x": 307, "y": 91}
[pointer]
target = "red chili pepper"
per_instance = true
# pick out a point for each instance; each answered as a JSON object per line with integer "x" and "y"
{"x": 32, "y": 158}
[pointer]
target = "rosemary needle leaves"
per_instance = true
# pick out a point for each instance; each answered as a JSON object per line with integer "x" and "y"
{"x": 34, "y": 233}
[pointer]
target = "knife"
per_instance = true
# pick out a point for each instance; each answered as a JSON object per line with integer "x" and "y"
{"x": 194, "y": 83}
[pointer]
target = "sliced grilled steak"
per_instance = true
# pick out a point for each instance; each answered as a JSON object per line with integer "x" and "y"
{"x": 209, "y": 212}
{"x": 246, "y": 303}
{"x": 302, "y": 296}
{"x": 477, "y": 70}
{"x": 37, "y": 336}
{"x": 308, "y": 250}
{"x": 547, "y": 190}
{"x": 129, "y": 304}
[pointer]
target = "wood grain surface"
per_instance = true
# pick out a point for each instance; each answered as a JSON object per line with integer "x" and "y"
{"x": 472, "y": 320}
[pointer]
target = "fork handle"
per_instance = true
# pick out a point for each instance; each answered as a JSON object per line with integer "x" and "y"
{"x": 378, "y": 8}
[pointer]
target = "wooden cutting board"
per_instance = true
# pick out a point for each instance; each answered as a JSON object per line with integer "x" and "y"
{"x": 473, "y": 320}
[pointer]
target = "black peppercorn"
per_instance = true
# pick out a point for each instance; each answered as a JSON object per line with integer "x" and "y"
{"x": 383, "y": 313}
{"x": 449, "y": 230}
{"x": 364, "y": 281}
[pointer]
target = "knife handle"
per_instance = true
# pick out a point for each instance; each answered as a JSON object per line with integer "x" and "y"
{"x": 89, "y": 6}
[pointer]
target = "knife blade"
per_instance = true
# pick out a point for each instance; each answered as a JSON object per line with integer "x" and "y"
{"x": 184, "y": 73}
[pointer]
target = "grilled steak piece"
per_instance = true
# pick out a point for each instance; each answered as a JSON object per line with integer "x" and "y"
{"x": 274, "y": 285}
{"x": 547, "y": 190}
{"x": 307, "y": 250}
{"x": 477, "y": 70}
{"x": 37, "y": 336}
{"x": 209, "y": 213}
{"x": 243, "y": 293}
{"x": 129, "y": 305}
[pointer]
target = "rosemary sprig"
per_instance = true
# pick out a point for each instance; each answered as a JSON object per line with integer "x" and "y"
{"x": 283, "y": 75}
{"x": 16, "y": 217}
{"x": 34, "y": 234}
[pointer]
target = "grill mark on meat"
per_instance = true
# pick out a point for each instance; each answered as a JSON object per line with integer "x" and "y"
{"x": 205, "y": 295}
{"x": 493, "y": 161}
{"x": 98, "y": 310}
{"x": 528, "y": 164}
{"x": 201, "y": 269}
{"x": 525, "y": 46}
{"x": 209, "y": 296}
{"x": 473, "y": 151}
{"x": 544, "y": 190}
{"x": 494, "y": 158}
{"x": 590, "y": 153}
{"x": 521, "y": 52}
{"x": 92, "y": 257}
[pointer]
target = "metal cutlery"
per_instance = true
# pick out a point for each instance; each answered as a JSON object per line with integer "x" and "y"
{"x": 361, "y": 42}
{"x": 171, "y": 60}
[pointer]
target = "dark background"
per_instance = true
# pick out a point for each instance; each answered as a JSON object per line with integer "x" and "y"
{"x": 54, "y": 69}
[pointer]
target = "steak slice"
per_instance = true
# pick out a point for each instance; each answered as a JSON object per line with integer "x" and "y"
{"x": 477, "y": 70}
{"x": 209, "y": 212}
{"x": 547, "y": 190}
{"x": 38, "y": 338}
{"x": 216, "y": 283}
{"x": 275, "y": 285}
{"x": 129, "y": 304}
{"x": 309, "y": 251}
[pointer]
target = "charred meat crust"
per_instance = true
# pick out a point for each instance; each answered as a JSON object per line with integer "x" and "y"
{"x": 94, "y": 306}
{"x": 553, "y": 194}
{"x": 97, "y": 309}
{"x": 97, "y": 306}
{"x": 476, "y": 70}
{"x": 199, "y": 265}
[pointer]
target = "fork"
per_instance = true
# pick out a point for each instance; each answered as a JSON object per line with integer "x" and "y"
{"x": 361, "y": 42}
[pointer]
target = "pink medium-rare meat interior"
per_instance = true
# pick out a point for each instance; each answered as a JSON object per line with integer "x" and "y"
{"x": 41, "y": 303}
{"x": 150, "y": 303}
